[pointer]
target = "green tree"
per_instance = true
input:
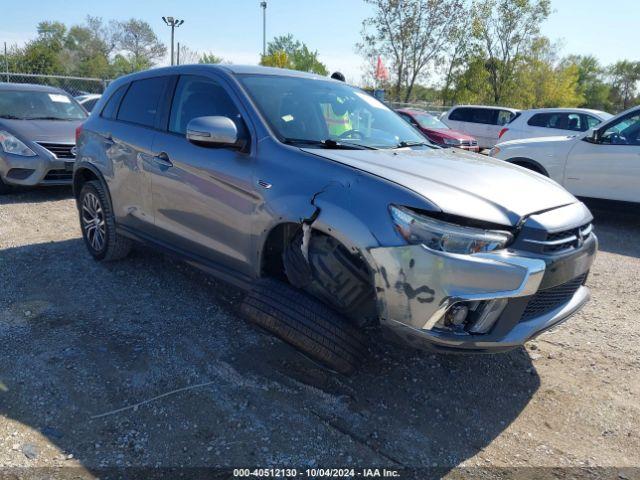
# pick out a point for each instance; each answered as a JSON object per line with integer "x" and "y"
{"x": 625, "y": 76}
{"x": 297, "y": 55}
{"x": 542, "y": 81}
{"x": 505, "y": 30}
{"x": 136, "y": 41}
{"x": 210, "y": 58}
{"x": 413, "y": 34}
{"x": 592, "y": 84}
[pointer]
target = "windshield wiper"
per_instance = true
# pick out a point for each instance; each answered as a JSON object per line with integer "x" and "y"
{"x": 328, "y": 143}
{"x": 49, "y": 118}
{"x": 11, "y": 117}
{"x": 405, "y": 144}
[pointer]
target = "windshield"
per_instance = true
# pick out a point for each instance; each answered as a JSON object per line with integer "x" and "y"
{"x": 304, "y": 110}
{"x": 33, "y": 105}
{"x": 427, "y": 120}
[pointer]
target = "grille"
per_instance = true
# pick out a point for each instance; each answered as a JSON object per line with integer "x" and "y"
{"x": 57, "y": 175}
{"x": 469, "y": 143}
{"x": 60, "y": 150}
{"x": 546, "y": 300}
{"x": 560, "y": 241}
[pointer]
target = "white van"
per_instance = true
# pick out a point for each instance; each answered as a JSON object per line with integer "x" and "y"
{"x": 482, "y": 122}
{"x": 549, "y": 122}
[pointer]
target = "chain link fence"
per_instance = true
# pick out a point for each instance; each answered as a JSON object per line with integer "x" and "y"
{"x": 74, "y": 86}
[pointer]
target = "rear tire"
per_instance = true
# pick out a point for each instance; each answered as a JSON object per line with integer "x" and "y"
{"x": 305, "y": 323}
{"x": 98, "y": 224}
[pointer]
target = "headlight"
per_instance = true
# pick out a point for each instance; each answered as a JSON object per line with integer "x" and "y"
{"x": 494, "y": 151}
{"x": 445, "y": 236}
{"x": 452, "y": 141}
{"x": 11, "y": 144}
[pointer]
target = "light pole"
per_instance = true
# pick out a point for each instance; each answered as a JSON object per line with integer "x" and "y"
{"x": 173, "y": 23}
{"x": 264, "y": 28}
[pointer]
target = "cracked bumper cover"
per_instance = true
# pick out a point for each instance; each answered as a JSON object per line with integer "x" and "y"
{"x": 416, "y": 285}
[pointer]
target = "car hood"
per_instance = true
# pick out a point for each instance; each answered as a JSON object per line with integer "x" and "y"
{"x": 59, "y": 131}
{"x": 450, "y": 133}
{"x": 460, "y": 183}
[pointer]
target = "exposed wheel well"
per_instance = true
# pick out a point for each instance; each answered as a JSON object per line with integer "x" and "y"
{"x": 530, "y": 164}
{"x": 81, "y": 177}
{"x": 331, "y": 272}
{"x": 277, "y": 240}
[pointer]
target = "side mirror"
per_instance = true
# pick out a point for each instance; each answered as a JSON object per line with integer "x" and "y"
{"x": 591, "y": 135}
{"x": 212, "y": 131}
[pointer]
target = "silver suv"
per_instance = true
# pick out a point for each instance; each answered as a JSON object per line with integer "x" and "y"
{"x": 330, "y": 210}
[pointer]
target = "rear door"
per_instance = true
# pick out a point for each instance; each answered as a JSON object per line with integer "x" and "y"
{"x": 203, "y": 197}
{"x": 609, "y": 169}
{"x": 127, "y": 128}
{"x": 472, "y": 121}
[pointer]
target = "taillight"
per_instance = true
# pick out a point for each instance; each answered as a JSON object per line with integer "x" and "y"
{"x": 502, "y": 132}
{"x": 78, "y": 132}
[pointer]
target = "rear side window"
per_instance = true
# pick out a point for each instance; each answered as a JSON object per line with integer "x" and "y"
{"x": 110, "y": 110}
{"x": 591, "y": 121}
{"x": 504, "y": 117}
{"x": 199, "y": 97}
{"x": 559, "y": 120}
{"x": 484, "y": 115}
{"x": 462, "y": 114}
{"x": 140, "y": 104}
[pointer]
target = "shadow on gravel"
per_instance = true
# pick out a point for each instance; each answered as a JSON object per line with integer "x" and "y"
{"x": 36, "y": 195}
{"x": 93, "y": 355}
{"x": 617, "y": 229}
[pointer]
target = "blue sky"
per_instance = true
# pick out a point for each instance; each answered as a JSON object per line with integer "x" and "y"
{"x": 233, "y": 28}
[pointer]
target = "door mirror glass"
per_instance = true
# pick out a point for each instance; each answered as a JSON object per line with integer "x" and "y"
{"x": 212, "y": 131}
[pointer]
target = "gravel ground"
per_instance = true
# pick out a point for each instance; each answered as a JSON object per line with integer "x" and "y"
{"x": 92, "y": 355}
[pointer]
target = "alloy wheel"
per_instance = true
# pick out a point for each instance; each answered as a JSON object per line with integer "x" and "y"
{"x": 93, "y": 221}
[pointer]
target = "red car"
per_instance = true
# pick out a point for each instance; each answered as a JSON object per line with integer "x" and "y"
{"x": 436, "y": 131}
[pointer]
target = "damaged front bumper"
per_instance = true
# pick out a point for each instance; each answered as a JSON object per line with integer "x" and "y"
{"x": 417, "y": 288}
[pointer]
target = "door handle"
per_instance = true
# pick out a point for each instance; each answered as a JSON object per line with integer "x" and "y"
{"x": 163, "y": 159}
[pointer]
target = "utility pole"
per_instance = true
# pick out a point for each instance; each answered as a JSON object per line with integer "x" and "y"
{"x": 264, "y": 28}
{"x": 178, "y": 55}
{"x": 173, "y": 23}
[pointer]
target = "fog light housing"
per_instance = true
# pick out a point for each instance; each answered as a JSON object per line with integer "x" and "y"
{"x": 475, "y": 317}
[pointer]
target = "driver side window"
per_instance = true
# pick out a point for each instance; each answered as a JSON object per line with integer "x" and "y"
{"x": 624, "y": 132}
{"x": 199, "y": 97}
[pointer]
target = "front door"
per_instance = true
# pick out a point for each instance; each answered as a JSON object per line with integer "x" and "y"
{"x": 203, "y": 197}
{"x": 610, "y": 168}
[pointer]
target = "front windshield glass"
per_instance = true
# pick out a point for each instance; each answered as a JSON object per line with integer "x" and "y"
{"x": 304, "y": 110}
{"x": 34, "y": 105}
{"x": 427, "y": 120}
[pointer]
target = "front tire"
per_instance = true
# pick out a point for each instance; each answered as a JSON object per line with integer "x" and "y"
{"x": 305, "y": 323}
{"x": 4, "y": 188}
{"x": 98, "y": 224}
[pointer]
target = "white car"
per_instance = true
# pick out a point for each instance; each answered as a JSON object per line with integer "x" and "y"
{"x": 480, "y": 121}
{"x": 545, "y": 122}
{"x": 88, "y": 101}
{"x": 601, "y": 163}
